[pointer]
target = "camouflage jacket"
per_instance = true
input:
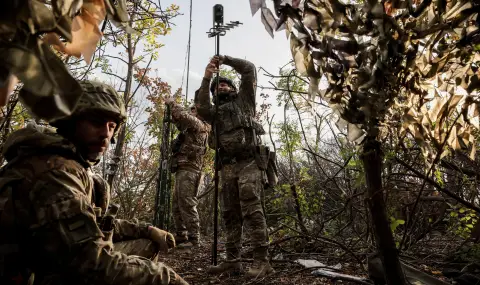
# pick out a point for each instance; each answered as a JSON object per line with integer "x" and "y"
{"x": 47, "y": 221}
{"x": 193, "y": 148}
{"x": 237, "y": 128}
{"x": 123, "y": 229}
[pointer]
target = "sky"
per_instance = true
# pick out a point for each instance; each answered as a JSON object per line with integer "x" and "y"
{"x": 248, "y": 41}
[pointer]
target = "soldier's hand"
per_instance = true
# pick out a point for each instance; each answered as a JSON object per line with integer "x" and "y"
{"x": 221, "y": 59}
{"x": 178, "y": 280}
{"x": 169, "y": 99}
{"x": 211, "y": 67}
{"x": 165, "y": 240}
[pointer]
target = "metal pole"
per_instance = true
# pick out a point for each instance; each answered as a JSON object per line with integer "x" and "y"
{"x": 188, "y": 51}
{"x": 162, "y": 196}
{"x": 217, "y": 158}
{"x": 218, "y": 30}
{"x": 156, "y": 216}
{"x": 169, "y": 175}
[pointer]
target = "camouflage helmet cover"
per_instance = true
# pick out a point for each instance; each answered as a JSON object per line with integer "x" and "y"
{"x": 97, "y": 97}
{"x": 221, "y": 79}
{"x": 100, "y": 97}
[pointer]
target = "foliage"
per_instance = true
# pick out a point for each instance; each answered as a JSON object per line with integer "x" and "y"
{"x": 464, "y": 221}
{"x": 389, "y": 63}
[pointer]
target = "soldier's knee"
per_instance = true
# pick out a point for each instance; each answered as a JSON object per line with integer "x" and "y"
{"x": 140, "y": 247}
{"x": 249, "y": 189}
{"x": 253, "y": 212}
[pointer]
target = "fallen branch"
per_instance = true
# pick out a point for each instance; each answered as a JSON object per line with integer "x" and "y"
{"x": 324, "y": 239}
{"x": 250, "y": 260}
{"x": 340, "y": 276}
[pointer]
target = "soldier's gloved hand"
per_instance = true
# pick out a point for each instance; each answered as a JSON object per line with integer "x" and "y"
{"x": 212, "y": 67}
{"x": 220, "y": 59}
{"x": 170, "y": 99}
{"x": 178, "y": 280}
{"x": 165, "y": 240}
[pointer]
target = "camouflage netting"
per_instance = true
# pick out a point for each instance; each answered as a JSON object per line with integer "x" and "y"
{"x": 411, "y": 65}
{"x": 27, "y": 30}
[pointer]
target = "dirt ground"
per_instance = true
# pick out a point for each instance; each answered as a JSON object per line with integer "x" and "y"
{"x": 192, "y": 267}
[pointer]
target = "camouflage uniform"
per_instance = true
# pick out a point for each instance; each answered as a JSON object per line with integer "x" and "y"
{"x": 241, "y": 178}
{"x": 188, "y": 165}
{"x": 128, "y": 237}
{"x": 48, "y": 225}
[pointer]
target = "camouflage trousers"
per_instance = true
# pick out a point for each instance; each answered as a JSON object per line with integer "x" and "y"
{"x": 140, "y": 247}
{"x": 184, "y": 204}
{"x": 241, "y": 204}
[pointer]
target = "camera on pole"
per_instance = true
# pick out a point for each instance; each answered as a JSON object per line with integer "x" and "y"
{"x": 218, "y": 14}
{"x": 218, "y": 30}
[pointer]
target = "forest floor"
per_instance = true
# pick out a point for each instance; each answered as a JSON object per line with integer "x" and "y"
{"x": 192, "y": 266}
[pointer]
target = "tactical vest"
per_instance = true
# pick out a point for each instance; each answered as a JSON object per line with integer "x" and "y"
{"x": 231, "y": 117}
{"x": 239, "y": 137}
{"x": 238, "y": 130}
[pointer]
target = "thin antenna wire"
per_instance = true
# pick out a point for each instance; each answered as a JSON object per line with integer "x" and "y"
{"x": 184, "y": 67}
{"x": 188, "y": 50}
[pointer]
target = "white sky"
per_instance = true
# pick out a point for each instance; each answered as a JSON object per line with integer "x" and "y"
{"x": 249, "y": 41}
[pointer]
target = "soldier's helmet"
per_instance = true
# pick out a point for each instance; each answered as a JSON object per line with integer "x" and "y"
{"x": 97, "y": 97}
{"x": 220, "y": 80}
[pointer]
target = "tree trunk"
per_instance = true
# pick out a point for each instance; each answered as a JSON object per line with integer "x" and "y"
{"x": 372, "y": 162}
{"x": 123, "y": 130}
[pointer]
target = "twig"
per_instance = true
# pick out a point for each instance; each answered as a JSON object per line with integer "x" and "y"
{"x": 310, "y": 268}
{"x": 439, "y": 188}
{"x": 324, "y": 239}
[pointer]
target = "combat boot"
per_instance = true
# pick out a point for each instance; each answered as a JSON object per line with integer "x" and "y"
{"x": 232, "y": 265}
{"x": 192, "y": 242}
{"x": 260, "y": 267}
{"x": 179, "y": 238}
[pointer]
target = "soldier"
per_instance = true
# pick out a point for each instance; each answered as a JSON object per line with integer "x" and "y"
{"x": 241, "y": 156}
{"x": 188, "y": 154}
{"x": 128, "y": 237}
{"x": 48, "y": 225}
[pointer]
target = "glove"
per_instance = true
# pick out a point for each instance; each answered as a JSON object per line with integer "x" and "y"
{"x": 178, "y": 281}
{"x": 165, "y": 240}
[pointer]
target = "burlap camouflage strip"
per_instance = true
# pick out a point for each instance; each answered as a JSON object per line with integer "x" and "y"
{"x": 49, "y": 91}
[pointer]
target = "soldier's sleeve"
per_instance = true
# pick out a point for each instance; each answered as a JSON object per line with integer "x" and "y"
{"x": 247, "y": 71}
{"x": 202, "y": 100}
{"x": 67, "y": 237}
{"x": 183, "y": 119}
{"x": 127, "y": 230}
